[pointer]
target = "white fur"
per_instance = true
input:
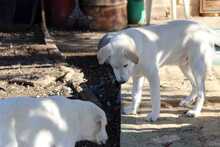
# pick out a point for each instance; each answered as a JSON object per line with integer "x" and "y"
{"x": 186, "y": 44}
{"x": 50, "y": 122}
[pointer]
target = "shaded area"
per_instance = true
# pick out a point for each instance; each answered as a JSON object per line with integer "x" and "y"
{"x": 72, "y": 41}
{"x": 100, "y": 81}
{"x": 34, "y": 35}
{"x": 27, "y": 60}
{"x": 26, "y": 48}
{"x": 47, "y": 79}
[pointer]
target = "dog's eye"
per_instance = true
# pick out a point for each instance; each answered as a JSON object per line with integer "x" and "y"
{"x": 125, "y": 65}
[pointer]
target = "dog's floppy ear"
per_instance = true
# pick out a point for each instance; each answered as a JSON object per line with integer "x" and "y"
{"x": 104, "y": 53}
{"x": 106, "y": 39}
{"x": 131, "y": 55}
{"x": 101, "y": 119}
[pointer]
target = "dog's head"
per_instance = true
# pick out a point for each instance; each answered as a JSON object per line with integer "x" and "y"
{"x": 93, "y": 124}
{"x": 120, "y": 52}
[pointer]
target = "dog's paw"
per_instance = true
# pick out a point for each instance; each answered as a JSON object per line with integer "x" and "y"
{"x": 129, "y": 110}
{"x": 187, "y": 101}
{"x": 192, "y": 113}
{"x": 152, "y": 116}
{"x": 184, "y": 103}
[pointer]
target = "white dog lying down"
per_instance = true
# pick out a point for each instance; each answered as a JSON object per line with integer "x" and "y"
{"x": 50, "y": 122}
{"x": 140, "y": 52}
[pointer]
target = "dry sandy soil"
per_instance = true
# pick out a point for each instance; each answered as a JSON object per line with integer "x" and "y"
{"x": 174, "y": 129}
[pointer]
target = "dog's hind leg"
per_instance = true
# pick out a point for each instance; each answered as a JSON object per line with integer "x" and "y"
{"x": 187, "y": 71}
{"x": 138, "y": 82}
{"x": 199, "y": 67}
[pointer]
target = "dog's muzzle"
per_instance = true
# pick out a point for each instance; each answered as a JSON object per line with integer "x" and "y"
{"x": 121, "y": 82}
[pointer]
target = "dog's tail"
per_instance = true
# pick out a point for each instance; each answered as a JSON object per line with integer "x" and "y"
{"x": 215, "y": 37}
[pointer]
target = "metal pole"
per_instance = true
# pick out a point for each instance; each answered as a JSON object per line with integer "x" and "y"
{"x": 148, "y": 9}
{"x": 173, "y": 9}
{"x": 186, "y": 8}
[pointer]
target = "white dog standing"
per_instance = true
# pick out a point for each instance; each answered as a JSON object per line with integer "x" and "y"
{"x": 140, "y": 52}
{"x": 50, "y": 122}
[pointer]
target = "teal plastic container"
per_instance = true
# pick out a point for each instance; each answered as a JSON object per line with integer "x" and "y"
{"x": 136, "y": 12}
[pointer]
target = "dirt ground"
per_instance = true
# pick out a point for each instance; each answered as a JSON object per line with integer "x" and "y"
{"x": 25, "y": 71}
{"x": 173, "y": 129}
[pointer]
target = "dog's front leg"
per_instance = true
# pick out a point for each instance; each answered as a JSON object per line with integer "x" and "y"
{"x": 138, "y": 82}
{"x": 154, "y": 81}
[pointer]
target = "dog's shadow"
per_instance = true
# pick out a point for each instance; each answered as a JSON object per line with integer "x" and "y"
{"x": 100, "y": 81}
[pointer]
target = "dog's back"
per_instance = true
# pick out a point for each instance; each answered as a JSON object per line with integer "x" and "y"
{"x": 35, "y": 122}
{"x": 171, "y": 40}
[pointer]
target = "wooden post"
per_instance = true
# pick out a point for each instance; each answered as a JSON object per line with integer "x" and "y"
{"x": 50, "y": 43}
{"x": 43, "y": 24}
